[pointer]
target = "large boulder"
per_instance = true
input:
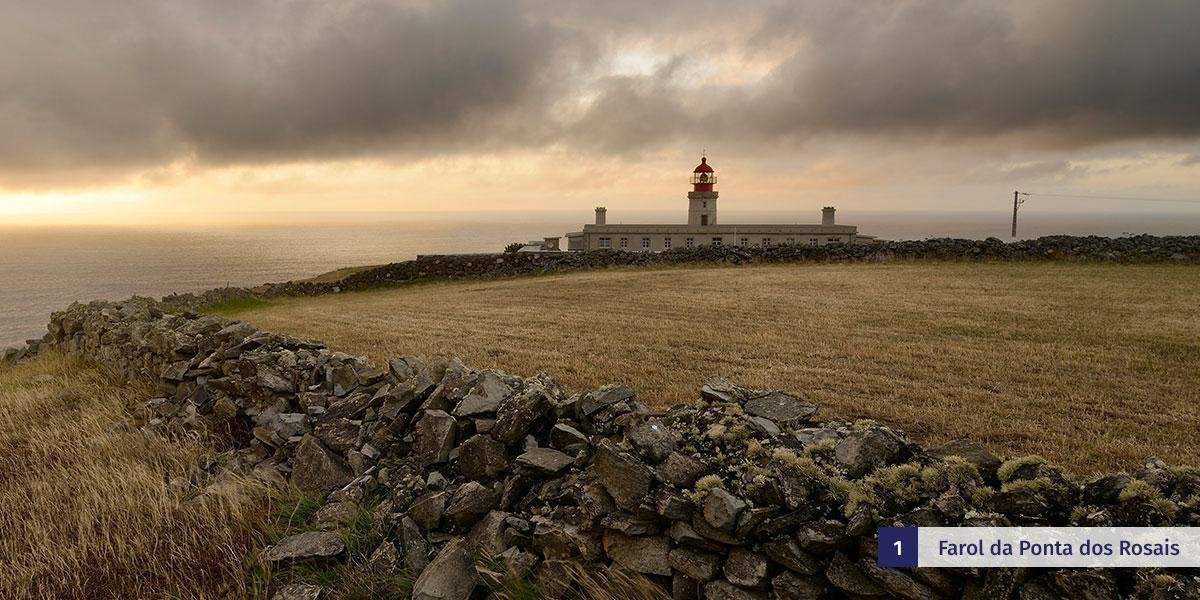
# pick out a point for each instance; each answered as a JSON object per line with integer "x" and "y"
{"x": 451, "y": 576}
{"x": 316, "y": 469}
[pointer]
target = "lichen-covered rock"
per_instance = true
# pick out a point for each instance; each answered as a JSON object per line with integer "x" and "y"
{"x": 747, "y": 569}
{"x": 722, "y": 509}
{"x": 307, "y": 545}
{"x": 435, "y": 437}
{"x": 298, "y": 591}
{"x": 865, "y": 450}
{"x": 696, "y": 564}
{"x": 641, "y": 554}
{"x": 545, "y": 461}
{"x": 316, "y": 469}
{"x": 781, "y": 408}
{"x": 451, "y": 576}
{"x": 625, "y": 477}
{"x": 482, "y": 458}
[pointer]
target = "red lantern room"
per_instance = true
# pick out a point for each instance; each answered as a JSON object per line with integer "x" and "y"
{"x": 703, "y": 177}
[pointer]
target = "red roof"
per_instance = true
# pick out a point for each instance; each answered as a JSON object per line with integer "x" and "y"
{"x": 703, "y": 167}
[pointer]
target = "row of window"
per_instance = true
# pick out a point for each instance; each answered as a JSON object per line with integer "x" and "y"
{"x": 606, "y": 242}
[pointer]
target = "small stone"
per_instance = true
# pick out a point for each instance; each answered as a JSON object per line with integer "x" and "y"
{"x": 723, "y": 590}
{"x": 592, "y": 402}
{"x": 545, "y": 461}
{"x": 563, "y": 436}
{"x": 482, "y": 458}
{"x": 680, "y": 470}
{"x": 897, "y": 583}
{"x": 696, "y": 564}
{"x": 653, "y": 439}
{"x": 334, "y": 514}
{"x": 317, "y": 470}
{"x": 973, "y": 452}
{"x": 643, "y": 554}
{"x": 298, "y": 591}
{"x": 385, "y": 559}
{"x": 846, "y": 576}
{"x": 721, "y": 509}
{"x": 792, "y": 586}
{"x": 781, "y": 408}
{"x": 307, "y": 545}
{"x": 746, "y": 569}
{"x": 789, "y": 554}
{"x": 470, "y": 502}
{"x": 426, "y": 512}
{"x": 339, "y": 435}
{"x": 518, "y": 413}
{"x": 822, "y": 537}
{"x": 625, "y": 478}
{"x": 451, "y": 576}
{"x": 865, "y": 450}
{"x": 435, "y": 437}
{"x": 484, "y": 397}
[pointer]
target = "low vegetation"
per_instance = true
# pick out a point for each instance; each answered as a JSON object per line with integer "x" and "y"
{"x": 94, "y": 509}
{"x": 1089, "y": 365}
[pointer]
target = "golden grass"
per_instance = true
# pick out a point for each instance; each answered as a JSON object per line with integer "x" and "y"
{"x": 1090, "y": 365}
{"x": 88, "y": 510}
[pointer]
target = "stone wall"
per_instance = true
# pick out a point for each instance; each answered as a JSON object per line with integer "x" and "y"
{"x": 1126, "y": 249}
{"x": 741, "y": 494}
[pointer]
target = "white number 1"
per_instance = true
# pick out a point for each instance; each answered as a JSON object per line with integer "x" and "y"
{"x": 897, "y": 544}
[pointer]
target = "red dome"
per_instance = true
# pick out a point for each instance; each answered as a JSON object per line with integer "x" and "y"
{"x": 703, "y": 167}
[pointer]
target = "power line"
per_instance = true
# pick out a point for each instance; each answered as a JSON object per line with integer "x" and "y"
{"x": 1139, "y": 199}
{"x": 1018, "y": 200}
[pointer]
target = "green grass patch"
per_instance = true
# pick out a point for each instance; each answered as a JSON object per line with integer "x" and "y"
{"x": 234, "y": 306}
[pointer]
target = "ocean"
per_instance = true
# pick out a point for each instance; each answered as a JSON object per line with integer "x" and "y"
{"x": 45, "y": 267}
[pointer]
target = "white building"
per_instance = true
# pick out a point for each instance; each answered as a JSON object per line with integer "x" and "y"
{"x": 702, "y": 227}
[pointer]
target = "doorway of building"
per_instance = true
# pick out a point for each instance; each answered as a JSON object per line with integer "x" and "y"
{"x": 704, "y": 219}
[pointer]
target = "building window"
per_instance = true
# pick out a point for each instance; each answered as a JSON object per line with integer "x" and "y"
{"x": 689, "y": 242}
{"x": 704, "y": 205}
{"x": 605, "y": 242}
{"x": 766, "y": 242}
{"x": 812, "y": 241}
{"x": 791, "y": 241}
{"x": 716, "y": 241}
{"x": 744, "y": 242}
{"x": 832, "y": 240}
{"x": 646, "y": 243}
{"x": 666, "y": 243}
{"x": 624, "y": 243}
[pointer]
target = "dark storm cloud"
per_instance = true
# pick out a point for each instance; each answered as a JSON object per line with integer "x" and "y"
{"x": 1062, "y": 72}
{"x": 135, "y": 83}
{"x": 118, "y": 82}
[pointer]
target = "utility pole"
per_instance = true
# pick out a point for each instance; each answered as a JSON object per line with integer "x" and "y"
{"x": 1017, "y": 201}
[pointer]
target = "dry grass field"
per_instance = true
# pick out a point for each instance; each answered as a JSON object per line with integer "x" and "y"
{"x": 88, "y": 511}
{"x": 1091, "y": 365}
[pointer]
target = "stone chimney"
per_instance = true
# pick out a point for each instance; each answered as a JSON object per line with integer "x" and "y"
{"x": 827, "y": 215}
{"x": 600, "y": 215}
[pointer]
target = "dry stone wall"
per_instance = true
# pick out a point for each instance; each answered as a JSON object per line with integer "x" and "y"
{"x": 740, "y": 495}
{"x": 1145, "y": 248}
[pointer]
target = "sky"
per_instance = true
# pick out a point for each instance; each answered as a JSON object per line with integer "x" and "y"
{"x": 169, "y": 110}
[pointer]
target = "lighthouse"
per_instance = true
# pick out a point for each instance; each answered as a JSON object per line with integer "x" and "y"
{"x": 702, "y": 200}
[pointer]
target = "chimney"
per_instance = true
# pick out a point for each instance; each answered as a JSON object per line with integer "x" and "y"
{"x": 827, "y": 215}
{"x": 600, "y": 215}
